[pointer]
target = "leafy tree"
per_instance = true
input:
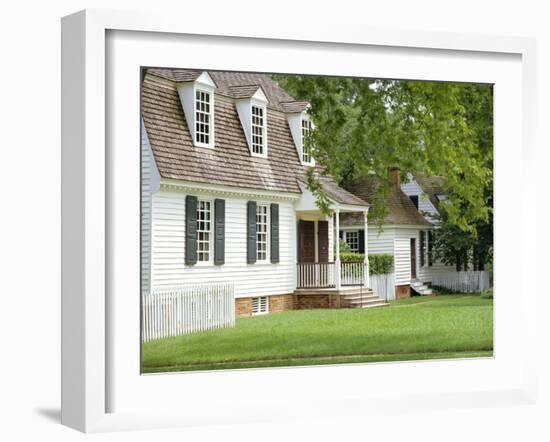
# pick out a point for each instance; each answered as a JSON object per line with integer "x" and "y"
{"x": 367, "y": 126}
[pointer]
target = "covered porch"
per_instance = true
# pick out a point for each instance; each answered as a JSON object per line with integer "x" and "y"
{"x": 318, "y": 263}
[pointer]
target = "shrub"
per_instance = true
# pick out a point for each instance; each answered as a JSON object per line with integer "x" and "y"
{"x": 378, "y": 264}
{"x": 352, "y": 257}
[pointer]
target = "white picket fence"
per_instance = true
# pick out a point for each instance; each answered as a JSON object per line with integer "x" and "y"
{"x": 180, "y": 310}
{"x": 465, "y": 282}
{"x": 383, "y": 286}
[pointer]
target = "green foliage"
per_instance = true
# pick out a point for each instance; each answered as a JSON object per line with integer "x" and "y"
{"x": 344, "y": 248}
{"x": 367, "y": 126}
{"x": 487, "y": 294}
{"x": 378, "y": 263}
{"x": 352, "y": 256}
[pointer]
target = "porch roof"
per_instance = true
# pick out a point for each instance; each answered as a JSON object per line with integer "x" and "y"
{"x": 337, "y": 194}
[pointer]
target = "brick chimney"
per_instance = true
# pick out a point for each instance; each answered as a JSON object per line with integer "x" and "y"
{"x": 395, "y": 176}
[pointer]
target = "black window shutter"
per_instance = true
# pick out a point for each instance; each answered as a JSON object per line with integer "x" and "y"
{"x": 190, "y": 230}
{"x": 251, "y": 232}
{"x": 422, "y": 248}
{"x": 341, "y": 234}
{"x": 219, "y": 232}
{"x": 430, "y": 247}
{"x": 274, "y": 233}
{"x": 361, "y": 241}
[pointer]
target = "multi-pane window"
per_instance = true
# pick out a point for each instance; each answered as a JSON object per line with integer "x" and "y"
{"x": 203, "y": 117}
{"x": 351, "y": 237}
{"x": 306, "y": 143}
{"x": 261, "y": 232}
{"x": 258, "y": 135}
{"x": 259, "y": 305}
{"x": 204, "y": 227}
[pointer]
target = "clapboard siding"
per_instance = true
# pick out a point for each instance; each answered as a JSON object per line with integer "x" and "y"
{"x": 396, "y": 241}
{"x": 380, "y": 241}
{"x": 149, "y": 183}
{"x": 412, "y": 188}
{"x": 168, "y": 249}
{"x": 402, "y": 260}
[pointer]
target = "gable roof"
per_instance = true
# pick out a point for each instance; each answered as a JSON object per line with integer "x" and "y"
{"x": 432, "y": 186}
{"x": 230, "y": 162}
{"x": 401, "y": 210}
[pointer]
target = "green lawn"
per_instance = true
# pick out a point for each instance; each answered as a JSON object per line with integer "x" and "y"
{"x": 427, "y": 327}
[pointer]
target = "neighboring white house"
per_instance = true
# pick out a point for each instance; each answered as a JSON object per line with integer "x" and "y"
{"x": 427, "y": 192}
{"x": 224, "y": 196}
{"x": 403, "y": 234}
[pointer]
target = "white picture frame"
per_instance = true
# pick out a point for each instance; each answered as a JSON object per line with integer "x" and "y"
{"x": 89, "y": 316}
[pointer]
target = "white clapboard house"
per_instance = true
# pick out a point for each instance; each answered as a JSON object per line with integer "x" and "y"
{"x": 224, "y": 198}
{"x": 403, "y": 233}
{"x": 426, "y": 192}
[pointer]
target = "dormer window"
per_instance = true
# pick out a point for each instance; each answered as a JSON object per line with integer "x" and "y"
{"x": 258, "y": 130}
{"x": 300, "y": 126}
{"x": 197, "y": 100}
{"x": 203, "y": 117}
{"x": 251, "y": 104}
{"x": 306, "y": 142}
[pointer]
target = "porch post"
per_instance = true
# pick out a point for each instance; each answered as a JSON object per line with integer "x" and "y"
{"x": 337, "y": 239}
{"x": 366, "y": 236}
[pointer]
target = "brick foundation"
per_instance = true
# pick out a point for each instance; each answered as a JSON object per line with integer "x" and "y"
{"x": 312, "y": 301}
{"x": 402, "y": 291}
{"x": 291, "y": 301}
{"x": 243, "y": 307}
{"x": 279, "y": 303}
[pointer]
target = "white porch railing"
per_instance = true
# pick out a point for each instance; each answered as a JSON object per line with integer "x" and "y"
{"x": 352, "y": 273}
{"x": 465, "y": 282}
{"x": 185, "y": 309}
{"x": 383, "y": 286}
{"x": 315, "y": 275}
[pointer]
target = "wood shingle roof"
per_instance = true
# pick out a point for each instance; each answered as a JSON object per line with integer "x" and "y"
{"x": 229, "y": 163}
{"x": 400, "y": 209}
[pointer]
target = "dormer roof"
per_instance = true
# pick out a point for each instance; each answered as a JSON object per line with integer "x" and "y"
{"x": 432, "y": 186}
{"x": 247, "y": 91}
{"x": 292, "y": 107}
{"x": 238, "y": 85}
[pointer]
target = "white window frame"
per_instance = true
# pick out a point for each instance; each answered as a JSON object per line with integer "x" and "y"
{"x": 255, "y": 103}
{"x": 267, "y": 233}
{"x": 263, "y": 127}
{"x": 259, "y": 310}
{"x": 211, "y": 232}
{"x": 311, "y": 162}
{"x": 210, "y": 93}
{"x": 346, "y": 233}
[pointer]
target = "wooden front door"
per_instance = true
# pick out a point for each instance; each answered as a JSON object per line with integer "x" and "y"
{"x": 306, "y": 241}
{"x": 413, "y": 258}
{"x": 322, "y": 240}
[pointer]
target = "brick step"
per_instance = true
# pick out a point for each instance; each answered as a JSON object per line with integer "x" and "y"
{"x": 363, "y": 301}
{"x": 373, "y": 302}
{"x": 371, "y": 305}
{"x": 356, "y": 291}
{"x": 379, "y": 304}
